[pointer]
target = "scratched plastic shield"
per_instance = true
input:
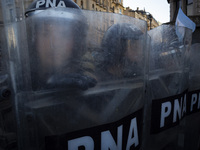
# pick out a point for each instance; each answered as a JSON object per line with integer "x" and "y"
{"x": 73, "y": 70}
{"x": 7, "y": 126}
{"x": 168, "y": 79}
{"x": 192, "y": 121}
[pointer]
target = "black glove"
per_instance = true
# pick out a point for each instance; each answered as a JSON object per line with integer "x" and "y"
{"x": 73, "y": 80}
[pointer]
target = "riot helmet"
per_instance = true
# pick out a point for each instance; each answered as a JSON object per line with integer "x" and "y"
{"x": 39, "y": 5}
{"x": 120, "y": 47}
{"x": 56, "y": 38}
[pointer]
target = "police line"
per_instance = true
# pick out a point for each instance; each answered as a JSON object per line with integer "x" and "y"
{"x": 127, "y": 132}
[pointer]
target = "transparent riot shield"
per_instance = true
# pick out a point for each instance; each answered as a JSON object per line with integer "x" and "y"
{"x": 7, "y": 124}
{"x": 192, "y": 121}
{"x": 78, "y": 79}
{"x": 167, "y": 87}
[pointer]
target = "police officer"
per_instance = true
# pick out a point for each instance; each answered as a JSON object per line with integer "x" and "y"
{"x": 57, "y": 45}
{"x": 120, "y": 56}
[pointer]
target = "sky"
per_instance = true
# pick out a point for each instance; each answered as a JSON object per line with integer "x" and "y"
{"x": 158, "y": 8}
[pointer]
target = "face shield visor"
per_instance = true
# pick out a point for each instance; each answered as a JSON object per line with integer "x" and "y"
{"x": 122, "y": 50}
{"x": 56, "y": 42}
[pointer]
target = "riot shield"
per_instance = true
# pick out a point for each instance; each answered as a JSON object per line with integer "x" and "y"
{"x": 78, "y": 79}
{"x": 192, "y": 121}
{"x": 7, "y": 124}
{"x": 167, "y": 87}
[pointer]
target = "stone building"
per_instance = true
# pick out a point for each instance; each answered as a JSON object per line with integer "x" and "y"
{"x": 143, "y": 15}
{"x": 111, "y": 6}
{"x": 192, "y": 9}
{"x": 115, "y": 6}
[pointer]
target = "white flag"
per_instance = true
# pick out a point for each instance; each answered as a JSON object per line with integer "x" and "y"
{"x": 183, "y": 21}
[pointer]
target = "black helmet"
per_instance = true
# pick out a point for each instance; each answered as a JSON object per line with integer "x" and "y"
{"x": 115, "y": 40}
{"x": 113, "y": 58}
{"x": 45, "y": 4}
{"x": 57, "y": 22}
{"x": 67, "y": 13}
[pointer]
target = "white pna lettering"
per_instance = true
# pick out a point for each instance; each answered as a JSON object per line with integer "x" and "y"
{"x": 107, "y": 140}
{"x": 40, "y": 3}
{"x": 194, "y": 98}
{"x": 179, "y": 110}
{"x": 86, "y": 141}
{"x": 50, "y": 3}
{"x": 165, "y": 112}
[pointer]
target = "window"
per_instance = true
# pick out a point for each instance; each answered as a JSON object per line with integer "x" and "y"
{"x": 120, "y": 11}
{"x": 92, "y": 6}
{"x": 120, "y": 1}
{"x": 189, "y": 7}
{"x": 82, "y": 4}
{"x": 11, "y": 15}
{"x": 189, "y": 2}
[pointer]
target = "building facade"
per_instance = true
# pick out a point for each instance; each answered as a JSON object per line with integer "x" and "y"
{"x": 192, "y": 9}
{"x": 116, "y": 6}
{"x": 143, "y": 15}
{"x": 111, "y": 6}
